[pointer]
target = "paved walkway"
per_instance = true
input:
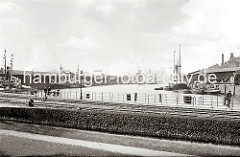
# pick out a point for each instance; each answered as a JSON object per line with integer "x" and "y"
{"x": 22, "y": 142}
{"x": 24, "y": 138}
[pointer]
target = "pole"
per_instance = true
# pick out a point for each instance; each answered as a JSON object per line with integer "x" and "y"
{"x": 81, "y": 96}
{"x": 118, "y": 97}
{"x": 145, "y": 100}
{"x": 5, "y": 67}
{"x": 166, "y": 98}
{"x": 174, "y": 65}
{"x": 154, "y": 98}
{"x": 177, "y": 99}
{"x": 180, "y": 62}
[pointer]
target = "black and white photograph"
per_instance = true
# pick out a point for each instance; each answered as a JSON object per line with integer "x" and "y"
{"x": 119, "y": 78}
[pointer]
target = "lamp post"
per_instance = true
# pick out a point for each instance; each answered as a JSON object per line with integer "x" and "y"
{"x": 81, "y": 96}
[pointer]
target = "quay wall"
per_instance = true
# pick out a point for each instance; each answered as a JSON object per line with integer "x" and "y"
{"x": 204, "y": 129}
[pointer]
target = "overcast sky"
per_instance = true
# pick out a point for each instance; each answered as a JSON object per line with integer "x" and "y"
{"x": 118, "y": 36}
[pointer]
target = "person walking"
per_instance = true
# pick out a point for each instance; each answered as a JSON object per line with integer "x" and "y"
{"x": 45, "y": 92}
{"x": 49, "y": 90}
{"x": 227, "y": 99}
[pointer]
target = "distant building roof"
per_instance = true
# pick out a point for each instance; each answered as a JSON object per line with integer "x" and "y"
{"x": 223, "y": 70}
{"x": 195, "y": 72}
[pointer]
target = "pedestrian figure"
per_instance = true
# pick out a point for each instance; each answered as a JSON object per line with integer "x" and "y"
{"x": 31, "y": 103}
{"x": 58, "y": 92}
{"x": 227, "y": 99}
{"x": 45, "y": 92}
{"x": 49, "y": 90}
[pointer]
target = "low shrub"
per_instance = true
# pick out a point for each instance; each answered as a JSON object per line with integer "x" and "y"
{"x": 219, "y": 131}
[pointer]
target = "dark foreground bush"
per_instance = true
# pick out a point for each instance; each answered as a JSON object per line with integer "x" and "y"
{"x": 222, "y": 131}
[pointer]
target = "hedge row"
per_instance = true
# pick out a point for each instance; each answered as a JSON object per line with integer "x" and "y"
{"x": 220, "y": 131}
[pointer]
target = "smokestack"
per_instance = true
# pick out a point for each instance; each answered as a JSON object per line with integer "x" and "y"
{"x": 180, "y": 62}
{"x": 222, "y": 59}
{"x": 174, "y": 64}
{"x": 231, "y": 55}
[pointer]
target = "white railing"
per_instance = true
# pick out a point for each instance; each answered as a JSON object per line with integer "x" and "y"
{"x": 208, "y": 101}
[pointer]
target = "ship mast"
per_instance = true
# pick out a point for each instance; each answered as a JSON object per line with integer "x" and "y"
{"x": 5, "y": 66}
{"x": 11, "y": 61}
{"x": 174, "y": 64}
{"x": 180, "y": 64}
